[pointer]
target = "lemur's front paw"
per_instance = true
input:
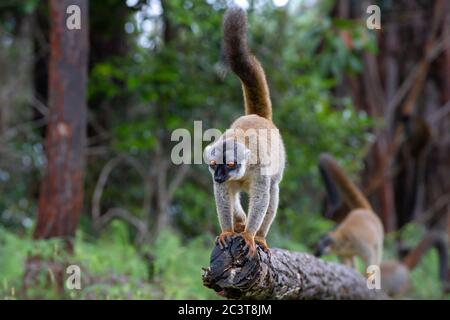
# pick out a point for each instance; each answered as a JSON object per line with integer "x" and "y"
{"x": 249, "y": 239}
{"x": 263, "y": 244}
{"x": 222, "y": 238}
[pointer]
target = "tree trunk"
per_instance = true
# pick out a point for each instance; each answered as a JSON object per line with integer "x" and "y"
{"x": 284, "y": 275}
{"x": 61, "y": 195}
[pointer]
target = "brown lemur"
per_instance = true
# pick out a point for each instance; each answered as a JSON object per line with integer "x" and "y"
{"x": 250, "y": 155}
{"x": 361, "y": 232}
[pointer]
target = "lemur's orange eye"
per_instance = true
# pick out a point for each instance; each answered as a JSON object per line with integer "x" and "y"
{"x": 231, "y": 165}
{"x": 212, "y": 163}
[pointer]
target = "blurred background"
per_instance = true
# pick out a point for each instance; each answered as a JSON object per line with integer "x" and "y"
{"x": 86, "y": 118}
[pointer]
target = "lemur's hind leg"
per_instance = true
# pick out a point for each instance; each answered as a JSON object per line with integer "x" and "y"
{"x": 239, "y": 216}
{"x": 368, "y": 254}
{"x": 371, "y": 256}
{"x": 260, "y": 237}
{"x": 379, "y": 251}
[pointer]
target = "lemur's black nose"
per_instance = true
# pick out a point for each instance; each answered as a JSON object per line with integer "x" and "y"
{"x": 221, "y": 173}
{"x": 220, "y": 179}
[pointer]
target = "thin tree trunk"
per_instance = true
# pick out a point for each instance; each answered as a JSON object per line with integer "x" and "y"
{"x": 61, "y": 195}
{"x": 284, "y": 275}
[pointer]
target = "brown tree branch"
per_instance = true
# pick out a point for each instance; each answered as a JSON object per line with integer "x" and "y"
{"x": 441, "y": 202}
{"x": 284, "y": 275}
{"x": 440, "y": 114}
{"x": 101, "y": 220}
{"x": 100, "y": 186}
{"x": 119, "y": 213}
{"x": 39, "y": 105}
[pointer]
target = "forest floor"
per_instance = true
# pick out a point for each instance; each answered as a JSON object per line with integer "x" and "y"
{"x": 112, "y": 267}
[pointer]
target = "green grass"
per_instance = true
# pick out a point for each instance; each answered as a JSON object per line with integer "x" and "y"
{"x": 112, "y": 267}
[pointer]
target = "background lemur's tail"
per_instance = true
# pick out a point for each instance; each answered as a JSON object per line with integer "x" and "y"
{"x": 352, "y": 195}
{"x": 323, "y": 245}
{"x": 244, "y": 64}
{"x": 332, "y": 192}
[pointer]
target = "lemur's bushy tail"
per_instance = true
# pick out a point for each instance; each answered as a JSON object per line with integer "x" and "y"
{"x": 353, "y": 196}
{"x": 239, "y": 58}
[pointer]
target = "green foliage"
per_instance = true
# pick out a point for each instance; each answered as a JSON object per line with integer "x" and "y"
{"x": 178, "y": 266}
{"x": 200, "y": 216}
{"x": 12, "y": 254}
{"x": 134, "y": 138}
{"x": 111, "y": 266}
{"x": 14, "y": 251}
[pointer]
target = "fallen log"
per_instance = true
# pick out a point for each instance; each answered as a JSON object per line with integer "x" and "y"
{"x": 283, "y": 275}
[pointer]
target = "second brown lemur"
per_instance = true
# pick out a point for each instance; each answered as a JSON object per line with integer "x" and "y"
{"x": 361, "y": 232}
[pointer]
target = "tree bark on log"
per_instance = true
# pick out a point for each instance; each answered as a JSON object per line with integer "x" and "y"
{"x": 283, "y": 275}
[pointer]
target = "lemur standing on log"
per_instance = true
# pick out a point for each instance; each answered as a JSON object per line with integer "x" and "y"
{"x": 361, "y": 232}
{"x": 250, "y": 155}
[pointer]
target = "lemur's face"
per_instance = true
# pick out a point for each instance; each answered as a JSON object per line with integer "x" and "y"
{"x": 227, "y": 160}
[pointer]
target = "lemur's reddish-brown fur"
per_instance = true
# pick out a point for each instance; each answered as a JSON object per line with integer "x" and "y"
{"x": 353, "y": 197}
{"x": 244, "y": 64}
